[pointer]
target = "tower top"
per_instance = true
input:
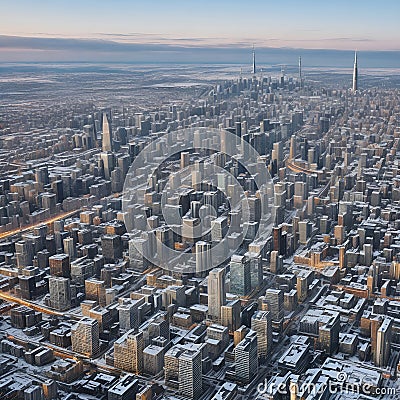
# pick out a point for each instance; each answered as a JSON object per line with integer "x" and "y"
{"x": 355, "y": 73}
{"x": 254, "y": 61}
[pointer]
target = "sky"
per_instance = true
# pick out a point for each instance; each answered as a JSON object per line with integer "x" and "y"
{"x": 184, "y": 30}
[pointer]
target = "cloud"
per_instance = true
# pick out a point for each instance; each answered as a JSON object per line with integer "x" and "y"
{"x": 155, "y": 48}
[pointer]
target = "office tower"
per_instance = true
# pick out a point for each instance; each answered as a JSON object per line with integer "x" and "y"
{"x": 276, "y": 262}
{"x": 171, "y": 366}
{"x": 256, "y": 272}
{"x": 190, "y": 374}
{"x": 32, "y": 393}
{"x": 85, "y": 337}
{"x": 230, "y": 315}
{"x": 203, "y": 257}
{"x": 216, "y": 292}
{"x": 95, "y": 290}
{"x": 159, "y": 327}
{"x": 185, "y": 159}
{"x": 383, "y": 343}
{"x": 292, "y": 152}
{"x": 251, "y": 207}
{"x": 107, "y": 144}
{"x": 128, "y": 352}
{"x": 24, "y": 251}
{"x": 108, "y": 164}
{"x": 69, "y": 247}
{"x": 27, "y": 286}
{"x": 274, "y": 300}
{"x": 60, "y": 293}
{"x": 246, "y": 360}
{"x": 355, "y": 73}
{"x": 261, "y": 322}
{"x": 240, "y": 275}
{"x": 304, "y": 231}
{"x": 60, "y": 265}
{"x": 328, "y": 335}
{"x": 49, "y": 201}
{"x": 128, "y": 315}
{"x": 50, "y": 390}
{"x": 164, "y": 237}
{"x": 111, "y": 246}
{"x": 153, "y": 359}
{"x": 124, "y": 389}
{"x": 219, "y": 228}
{"x": 42, "y": 175}
{"x": 254, "y": 61}
{"x": 302, "y": 287}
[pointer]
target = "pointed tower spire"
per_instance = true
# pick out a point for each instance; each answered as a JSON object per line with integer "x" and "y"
{"x": 355, "y": 73}
{"x": 300, "y": 74}
{"x": 254, "y": 61}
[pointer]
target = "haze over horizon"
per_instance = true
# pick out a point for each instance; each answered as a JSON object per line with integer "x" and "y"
{"x": 176, "y": 31}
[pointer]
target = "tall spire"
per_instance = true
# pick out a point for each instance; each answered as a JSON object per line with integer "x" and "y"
{"x": 355, "y": 73}
{"x": 254, "y": 61}
{"x": 300, "y": 74}
{"x": 107, "y": 134}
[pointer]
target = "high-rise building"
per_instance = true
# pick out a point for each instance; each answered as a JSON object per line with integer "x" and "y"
{"x": 216, "y": 292}
{"x": 274, "y": 300}
{"x": 153, "y": 359}
{"x": 203, "y": 257}
{"x": 329, "y": 335}
{"x": 111, "y": 247}
{"x": 128, "y": 352}
{"x": 85, "y": 337}
{"x": 300, "y": 74}
{"x": 69, "y": 247}
{"x": 256, "y": 272}
{"x": 128, "y": 315}
{"x": 60, "y": 293}
{"x": 106, "y": 134}
{"x": 240, "y": 275}
{"x": 190, "y": 374}
{"x": 355, "y": 73}
{"x": 383, "y": 343}
{"x": 254, "y": 70}
{"x": 261, "y": 322}
{"x": 230, "y": 315}
{"x": 95, "y": 290}
{"x": 246, "y": 360}
{"x": 60, "y": 265}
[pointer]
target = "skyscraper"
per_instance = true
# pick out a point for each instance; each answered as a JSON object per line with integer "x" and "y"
{"x": 274, "y": 300}
{"x": 85, "y": 337}
{"x": 203, "y": 256}
{"x": 216, "y": 292}
{"x": 261, "y": 322}
{"x": 383, "y": 342}
{"x": 128, "y": 352}
{"x": 190, "y": 374}
{"x": 254, "y": 61}
{"x": 60, "y": 293}
{"x": 107, "y": 134}
{"x": 240, "y": 275}
{"x": 300, "y": 74}
{"x": 355, "y": 73}
{"x": 246, "y": 361}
